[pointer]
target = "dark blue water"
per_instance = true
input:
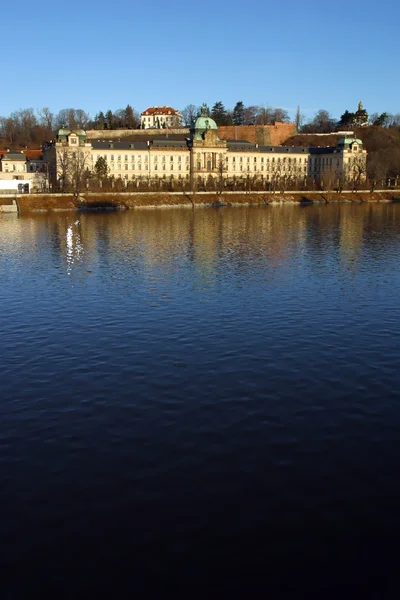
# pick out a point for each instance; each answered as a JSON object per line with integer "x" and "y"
{"x": 201, "y": 399}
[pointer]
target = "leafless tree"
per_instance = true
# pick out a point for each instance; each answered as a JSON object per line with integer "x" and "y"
{"x": 46, "y": 118}
{"x": 377, "y": 170}
{"x": 189, "y": 113}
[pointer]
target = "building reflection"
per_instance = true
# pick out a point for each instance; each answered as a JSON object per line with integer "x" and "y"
{"x": 209, "y": 241}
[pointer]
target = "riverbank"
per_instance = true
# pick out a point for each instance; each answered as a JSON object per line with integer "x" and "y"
{"x": 134, "y": 200}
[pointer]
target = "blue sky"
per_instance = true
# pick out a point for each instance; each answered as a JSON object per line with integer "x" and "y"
{"x": 96, "y": 55}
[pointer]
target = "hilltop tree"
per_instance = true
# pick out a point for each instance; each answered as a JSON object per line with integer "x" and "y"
{"x": 46, "y": 118}
{"x": 74, "y": 118}
{"x": 218, "y": 113}
{"x": 321, "y": 123}
{"x": 298, "y": 119}
{"x": 110, "y": 119}
{"x": 381, "y": 120}
{"x": 250, "y": 114}
{"x": 238, "y": 114}
{"x": 189, "y": 113}
{"x": 131, "y": 118}
{"x": 99, "y": 121}
{"x": 346, "y": 120}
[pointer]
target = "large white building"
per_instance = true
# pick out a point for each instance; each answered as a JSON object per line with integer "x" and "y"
{"x": 160, "y": 117}
{"x": 203, "y": 155}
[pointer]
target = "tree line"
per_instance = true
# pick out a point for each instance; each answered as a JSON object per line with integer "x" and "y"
{"x": 32, "y": 128}
{"x": 29, "y": 127}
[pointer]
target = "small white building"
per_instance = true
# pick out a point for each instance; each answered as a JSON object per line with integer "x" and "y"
{"x": 160, "y": 117}
{"x": 15, "y": 166}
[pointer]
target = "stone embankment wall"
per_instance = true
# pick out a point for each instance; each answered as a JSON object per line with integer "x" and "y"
{"x": 264, "y": 135}
{"x": 115, "y": 134}
{"x": 92, "y": 201}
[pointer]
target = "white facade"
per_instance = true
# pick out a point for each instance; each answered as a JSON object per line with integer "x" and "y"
{"x": 209, "y": 156}
{"x": 160, "y": 117}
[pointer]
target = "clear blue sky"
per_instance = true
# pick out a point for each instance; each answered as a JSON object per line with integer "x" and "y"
{"x": 97, "y": 55}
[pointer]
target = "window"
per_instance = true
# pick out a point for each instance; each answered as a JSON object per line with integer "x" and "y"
{"x": 171, "y": 167}
{"x": 126, "y": 157}
{"x": 73, "y": 140}
{"x": 119, "y": 157}
{"x": 171, "y": 158}
{"x": 126, "y": 167}
{"x": 119, "y": 166}
{"x": 112, "y": 156}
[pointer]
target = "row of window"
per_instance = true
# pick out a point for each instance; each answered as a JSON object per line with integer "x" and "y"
{"x": 111, "y": 158}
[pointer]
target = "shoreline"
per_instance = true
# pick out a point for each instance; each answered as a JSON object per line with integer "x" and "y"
{"x": 23, "y": 203}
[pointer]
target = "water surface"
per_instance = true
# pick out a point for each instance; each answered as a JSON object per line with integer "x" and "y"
{"x": 199, "y": 398}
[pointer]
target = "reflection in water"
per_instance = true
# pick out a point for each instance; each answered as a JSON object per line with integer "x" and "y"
{"x": 272, "y": 234}
{"x": 204, "y": 396}
{"x": 73, "y": 244}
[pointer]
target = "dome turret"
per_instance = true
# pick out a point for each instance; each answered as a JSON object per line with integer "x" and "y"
{"x": 202, "y": 124}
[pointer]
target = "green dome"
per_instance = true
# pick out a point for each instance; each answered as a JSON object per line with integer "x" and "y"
{"x": 80, "y": 132}
{"x": 349, "y": 142}
{"x": 64, "y": 132}
{"x": 203, "y": 123}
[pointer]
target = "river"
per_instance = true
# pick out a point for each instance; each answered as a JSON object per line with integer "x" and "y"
{"x": 206, "y": 398}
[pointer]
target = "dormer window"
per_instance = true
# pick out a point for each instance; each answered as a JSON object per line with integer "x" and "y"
{"x": 73, "y": 140}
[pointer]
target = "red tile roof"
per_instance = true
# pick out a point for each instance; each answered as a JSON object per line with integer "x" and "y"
{"x": 160, "y": 110}
{"x": 30, "y": 154}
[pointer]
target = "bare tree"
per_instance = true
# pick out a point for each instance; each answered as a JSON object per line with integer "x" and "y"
{"x": 46, "y": 118}
{"x": 189, "y": 113}
{"x": 356, "y": 171}
{"x": 73, "y": 118}
{"x": 73, "y": 169}
{"x": 377, "y": 170}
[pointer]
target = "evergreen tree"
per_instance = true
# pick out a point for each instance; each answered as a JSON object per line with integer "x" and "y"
{"x": 99, "y": 121}
{"x": 110, "y": 119}
{"x": 298, "y": 118}
{"x": 131, "y": 119}
{"x": 218, "y": 113}
{"x": 101, "y": 168}
{"x": 238, "y": 114}
{"x": 381, "y": 120}
{"x": 347, "y": 119}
